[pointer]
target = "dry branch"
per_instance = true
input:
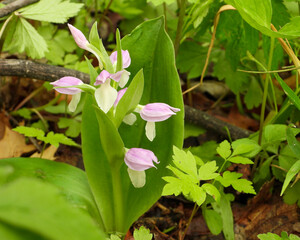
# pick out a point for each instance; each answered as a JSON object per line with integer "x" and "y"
{"x": 30, "y": 69}
{"x": 15, "y": 5}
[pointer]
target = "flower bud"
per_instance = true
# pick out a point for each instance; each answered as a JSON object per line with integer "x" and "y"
{"x": 140, "y": 159}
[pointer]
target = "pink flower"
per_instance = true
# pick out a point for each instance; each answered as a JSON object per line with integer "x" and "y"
{"x": 139, "y": 159}
{"x": 102, "y": 77}
{"x": 67, "y": 81}
{"x": 125, "y": 58}
{"x": 79, "y": 38}
{"x": 120, "y": 95}
{"x": 157, "y": 112}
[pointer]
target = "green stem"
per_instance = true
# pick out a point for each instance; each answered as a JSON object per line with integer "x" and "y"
{"x": 118, "y": 197}
{"x": 179, "y": 26}
{"x": 263, "y": 106}
{"x": 105, "y": 12}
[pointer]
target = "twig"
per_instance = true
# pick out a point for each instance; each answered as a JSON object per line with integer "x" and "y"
{"x": 11, "y": 7}
{"x": 30, "y": 69}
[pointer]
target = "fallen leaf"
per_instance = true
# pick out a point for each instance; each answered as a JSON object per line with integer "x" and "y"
{"x": 47, "y": 154}
{"x": 12, "y": 144}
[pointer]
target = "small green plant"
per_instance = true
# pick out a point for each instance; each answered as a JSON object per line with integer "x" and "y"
{"x": 272, "y": 236}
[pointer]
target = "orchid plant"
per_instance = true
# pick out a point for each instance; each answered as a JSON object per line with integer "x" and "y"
{"x": 131, "y": 118}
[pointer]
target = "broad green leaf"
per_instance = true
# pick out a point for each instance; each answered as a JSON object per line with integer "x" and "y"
{"x": 292, "y": 194}
{"x": 131, "y": 98}
{"x": 208, "y": 171}
{"x": 293, "y": 171}
{"x": 239, "y": 159}
{"x": 71, "y": 181}
{"x": 111, "y": 141}
{"x": 56, "y": 11}
{"x": 224, "y": 149}
{"x": 213, "y": 221}
{"x": 142, "y": 234}
{"x": 152, "y": 50}
{"x": 39, "y": 207}
{"x": 224, "y": 209}
{"x": 96, "y": 164}
{"x": 293, "y": 142}
{"x": 288, "y": 91}
{"x": 245, "y": 143}
{"x": 26, "y": 38}
{"x": 291, "y": 29}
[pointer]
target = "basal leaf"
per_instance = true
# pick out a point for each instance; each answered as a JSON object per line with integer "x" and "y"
{"x": 71, "y": 181}
{"x": 56, "y": 11}
{"x": 39, "y": 207}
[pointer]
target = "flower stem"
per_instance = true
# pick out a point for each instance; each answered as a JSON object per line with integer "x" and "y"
{"x": 118, "y": 197}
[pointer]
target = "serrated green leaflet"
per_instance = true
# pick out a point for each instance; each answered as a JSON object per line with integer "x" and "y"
{"x": 208, "y": 171}
{"x": 27, "y": 39}
{"x": 233, "y": 179}
{"x": 142, "y": 234}
{"x": 224, "y": 149}
{"x": 56, "y": 11}
{"x": 239, "y": 159}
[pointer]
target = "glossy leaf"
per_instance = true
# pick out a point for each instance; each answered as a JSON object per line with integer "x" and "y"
{"x": 71, "y": 180}
{"x": 39, "y": 207}
{"x": 151, "y": 49}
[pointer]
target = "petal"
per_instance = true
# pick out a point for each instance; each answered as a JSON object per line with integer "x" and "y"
{"x": 102, "y": 77}
{"x": 74, "y": 102}
{"x": 140, "y": 159}
{"x": 129, "y": 119}
{"x": 157, "y": 112}
{"x": 121, "y": 76}
{"x": 125, "y": 58}
{"x": 137, "y": 178}
{"x": 67, "y": 81}
{"x": 150, "y": 130}
{"x": 120, "y": 95}
{"x": 79, "y": 38}
{"x": 106, "y": 96}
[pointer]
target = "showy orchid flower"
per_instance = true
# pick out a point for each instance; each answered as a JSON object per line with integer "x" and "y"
{"x": 83, "y": 43}
{"x": 75, "y": 92}
{"x": 155, "y": 112}
{"x": 138, "y": 160}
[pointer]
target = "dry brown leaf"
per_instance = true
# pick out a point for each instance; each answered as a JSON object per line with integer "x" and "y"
{"x": 47, "y": 154}
{"x": 12, "y": 144}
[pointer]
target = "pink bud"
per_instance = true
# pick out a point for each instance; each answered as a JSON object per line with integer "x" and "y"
{"x": 67, "y": 81}
{"x": 157, "y": 112}
{"x": 140, "y": 159}
{"x": 125, "y": 58}
{"x": 120, "y": 95}
{"x": 79, "y": 38}
{"x": 102, "y": 77}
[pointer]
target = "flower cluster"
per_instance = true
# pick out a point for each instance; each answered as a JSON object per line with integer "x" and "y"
{"x": 107, "y": 98}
